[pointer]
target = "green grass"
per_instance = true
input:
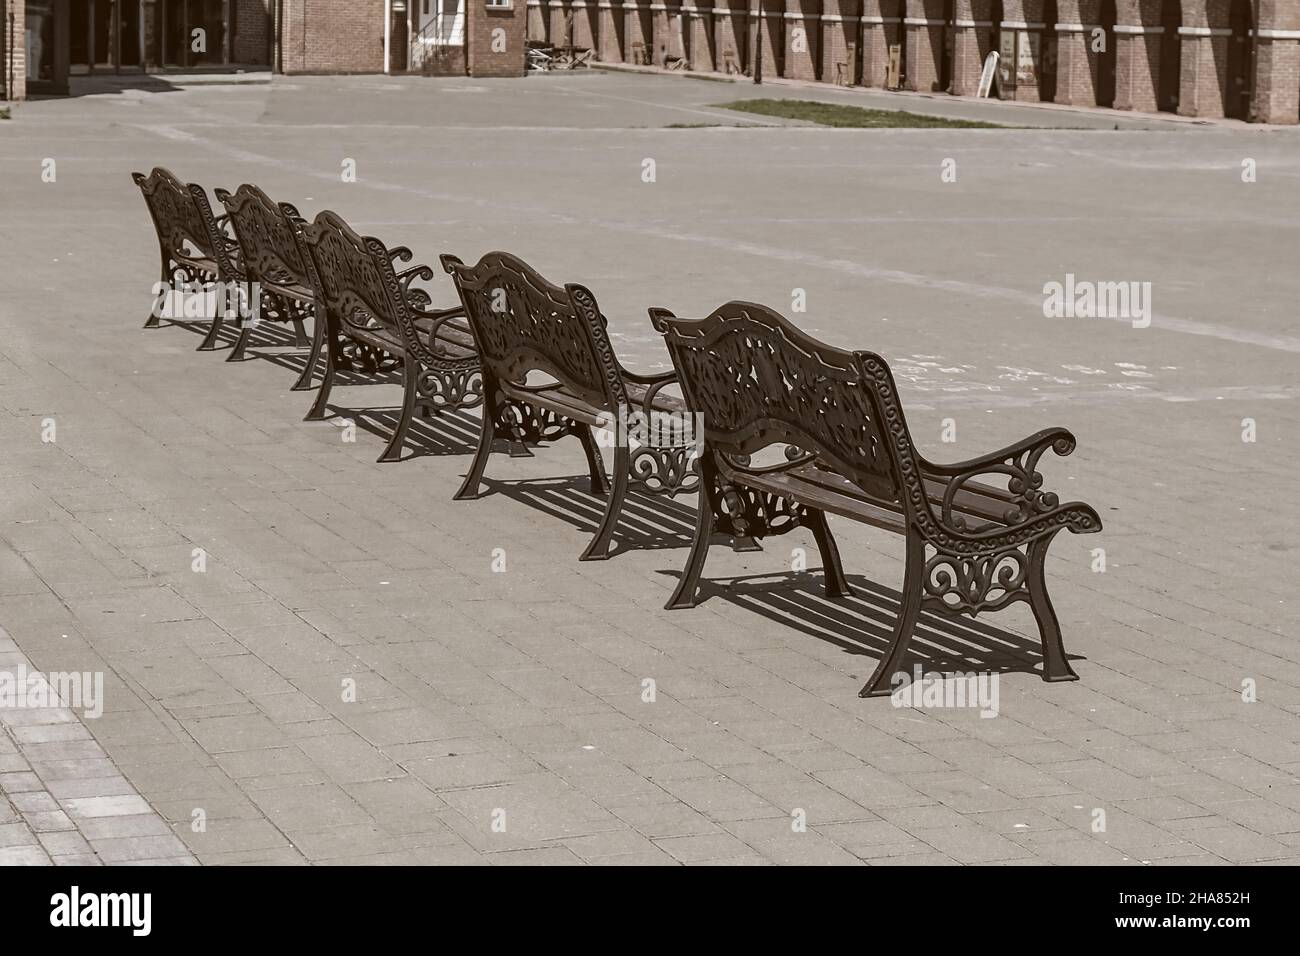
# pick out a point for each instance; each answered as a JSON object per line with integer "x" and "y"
{"x": 4, "y": 112}
{"x": 856, "y": 117}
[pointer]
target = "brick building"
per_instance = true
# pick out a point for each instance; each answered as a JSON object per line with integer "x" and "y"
{"x": 1207, "y": 58}
{"x": 45, "y": 42}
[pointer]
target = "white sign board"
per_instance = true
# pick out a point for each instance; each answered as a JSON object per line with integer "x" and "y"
{"x": 986, "y": 77}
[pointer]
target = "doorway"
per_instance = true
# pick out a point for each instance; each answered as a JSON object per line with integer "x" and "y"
{"x": 1239, "y": 92}
{"x": 1171, "y": 56}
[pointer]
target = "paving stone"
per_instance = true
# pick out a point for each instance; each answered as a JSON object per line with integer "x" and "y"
{"x": 521, "y": 691}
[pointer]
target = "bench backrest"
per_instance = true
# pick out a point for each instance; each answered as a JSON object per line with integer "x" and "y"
{"x": 355, "y": 279}
{"x": 268, "y": 244}
{"x": 177, "y": 214}
{"x": 523, "y": 323}
{"x": 756, "y": 381}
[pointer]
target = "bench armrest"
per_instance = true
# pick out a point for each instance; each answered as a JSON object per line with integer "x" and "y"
{"x": 1026, "y": 501}
{"x": 440, "y": 317}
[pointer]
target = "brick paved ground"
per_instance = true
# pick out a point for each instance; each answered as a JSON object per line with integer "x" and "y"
{"x": 481, "y": 692}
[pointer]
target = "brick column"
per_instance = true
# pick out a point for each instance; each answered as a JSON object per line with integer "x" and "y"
{"x": 584, "y": 22}
{"x": 538, "y": 27}
{"x": 975, "y": 34}
{"x": 665, "y": 22}
{"x": 730, "y": 35}
{"x": 697, "y": 23}
{"x": 771, "y": 36}
{"x": 924, "y": 32}
{"x": 482, "y": 24}
{"x": 882, "y": 25}
{"x": 13, "y": 60}
{"x": 1138, "y": 41}
{"x": 1078, "y": 70}
{"x": 802, "y": 33}
{"x": 840, "y": 39}
{"x": 609, "y": 30}
{"x": 1277, "y": 64}
{"x": 561, "y": 32}
{"x": 1205, "y": 36}
{"x": 637, "y": 32}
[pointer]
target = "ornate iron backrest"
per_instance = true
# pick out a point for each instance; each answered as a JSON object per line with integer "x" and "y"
{"x": 354, "y": 274}
{"x": 523, "y": 323}
{"x": 267, "y": 238}
{"x": 176, "y": 213}
{"x": 759, "y": 381}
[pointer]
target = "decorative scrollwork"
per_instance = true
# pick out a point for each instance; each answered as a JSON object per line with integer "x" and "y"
{"x": 759, "y": 381}
{"x": 356, "y": 356}
{"x": 976, "y": 583}
{"x": 524, "y": 422}
{"x": 748, "y": 513}
{"x": 522, "y": 322}
{"x": 666, "y": 470}
{"x": 450, "y": 388}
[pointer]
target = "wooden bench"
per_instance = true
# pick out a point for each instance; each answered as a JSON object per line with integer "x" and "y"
{"x": 525, "y": 325}
{"x": 193, "y": 244}
{"x": 376, "y": 321}
{"x": 271, "y": 255}
{"x": 972, "y": 546}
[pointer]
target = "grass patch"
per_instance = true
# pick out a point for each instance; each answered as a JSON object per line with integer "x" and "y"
{"x": 4, "y": 112}
{"x": 854, "y": 117}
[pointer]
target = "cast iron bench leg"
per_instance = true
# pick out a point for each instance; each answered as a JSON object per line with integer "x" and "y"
{"x": 410, "y": 376}
{"x": 598, "y": 549}
{"x": 1056, "y": 667}
{"x": 317, "y": 341}
{"x": 599, "y": 483}
{"x": 684, "y": 596}
{"x": 318, "y": 408}
{"x": 469, "y": 488}
{"x": 836, "y": 584}
{"x": 908, "y": 612}
{"x": 165, "y": 278}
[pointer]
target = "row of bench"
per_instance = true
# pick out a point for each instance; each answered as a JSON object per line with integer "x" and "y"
{"x": 537, "y": 358}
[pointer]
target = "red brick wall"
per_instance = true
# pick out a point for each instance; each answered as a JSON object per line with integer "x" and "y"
{"x": 506, "y": 28}
{"x": 332, "y": 36}
{"x": 802, "y": 24}
{"x": 252, "y": 32}
{"x": 730, "y": 35}
{"x": 924, "y": 44}
{"x": 14, "y": 60}
{"x": 840, "y": 40}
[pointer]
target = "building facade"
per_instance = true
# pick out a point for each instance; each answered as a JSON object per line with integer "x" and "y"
{"x": 1203, "y": 58}
{"x": 45, "y": 43}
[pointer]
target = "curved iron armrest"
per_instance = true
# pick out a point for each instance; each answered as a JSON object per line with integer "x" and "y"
{"x": 439, "y": 316}
{"x": 1028, "y": 504}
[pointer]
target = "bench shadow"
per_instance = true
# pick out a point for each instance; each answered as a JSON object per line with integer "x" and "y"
{"x": 438, "y": 436}
{"x": 272, "y": 335}
{"x": 864, "y": 624}
{"x": 647, "y": 522}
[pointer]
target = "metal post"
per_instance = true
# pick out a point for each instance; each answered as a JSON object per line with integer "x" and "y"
{"x": 756, "y": 41}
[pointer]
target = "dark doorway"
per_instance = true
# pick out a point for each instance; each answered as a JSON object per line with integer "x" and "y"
{"x": 1171, "y": 56}
{"x": 1107, "y": 57}
{"x": 947, "y": 47}
{"x": 1237, "y": 96}
{"x": 1047, "y": 55}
